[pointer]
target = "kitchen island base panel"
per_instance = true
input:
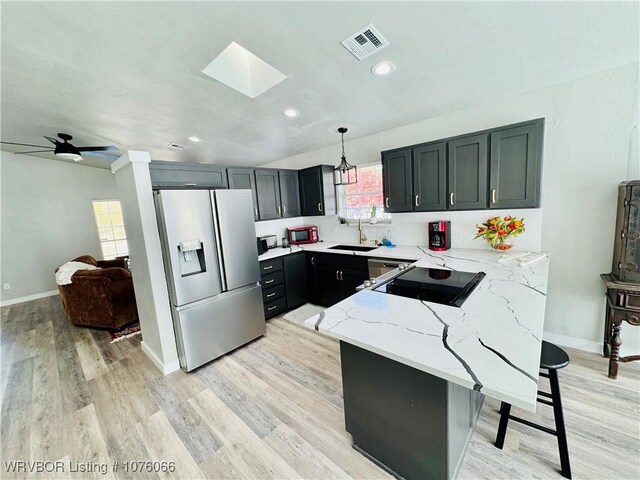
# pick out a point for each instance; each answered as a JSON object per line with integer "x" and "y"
{"x": 413, "y": 424}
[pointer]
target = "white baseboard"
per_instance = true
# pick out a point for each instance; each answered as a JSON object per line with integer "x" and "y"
{"x": 28, "y": 298}
{"x": 581, "y": 343}
{"x": 166, "y": 369}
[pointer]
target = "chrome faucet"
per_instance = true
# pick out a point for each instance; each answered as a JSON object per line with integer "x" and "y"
{"x": 363, "y": 237}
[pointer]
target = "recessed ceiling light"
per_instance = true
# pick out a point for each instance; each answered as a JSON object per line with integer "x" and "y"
{"x": 383, "y": 68}
{"x": 194, "y": 139}
{"x": 291, "y": 113}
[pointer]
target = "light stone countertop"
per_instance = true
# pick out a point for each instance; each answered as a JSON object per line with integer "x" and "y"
{"x": 491, "y": 344}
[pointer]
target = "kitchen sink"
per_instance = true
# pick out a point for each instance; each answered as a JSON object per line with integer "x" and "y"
{"x": 355, "y": 248}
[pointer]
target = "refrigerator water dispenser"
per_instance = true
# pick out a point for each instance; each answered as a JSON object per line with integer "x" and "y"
{"x": 192, "y": 258}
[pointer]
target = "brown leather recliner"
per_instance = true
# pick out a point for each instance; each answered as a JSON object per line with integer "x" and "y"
{"x": 101, "y": 298}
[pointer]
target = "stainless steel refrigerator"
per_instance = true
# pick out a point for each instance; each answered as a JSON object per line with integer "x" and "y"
{"x": 211, "y": 264}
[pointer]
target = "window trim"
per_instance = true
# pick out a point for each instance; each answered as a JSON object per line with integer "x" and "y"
{"x": 386, "y": 220}
{"x": 95, "y": 221}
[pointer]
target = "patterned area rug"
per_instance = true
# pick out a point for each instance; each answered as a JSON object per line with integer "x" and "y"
{"x": 126, "y": 332}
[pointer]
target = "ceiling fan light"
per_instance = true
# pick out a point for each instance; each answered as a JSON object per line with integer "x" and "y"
{"x": 69, "y": 156}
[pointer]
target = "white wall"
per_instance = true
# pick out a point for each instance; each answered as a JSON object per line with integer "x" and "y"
{"x": 589, "y": 124}
{"x": 46, "y": 219}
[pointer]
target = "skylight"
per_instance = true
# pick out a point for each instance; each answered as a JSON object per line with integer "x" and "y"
{"x": 243, "y": 71}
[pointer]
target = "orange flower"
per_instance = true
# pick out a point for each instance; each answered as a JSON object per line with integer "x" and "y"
{"x": 507, "y": 218}
{"x": 502, "y": 232}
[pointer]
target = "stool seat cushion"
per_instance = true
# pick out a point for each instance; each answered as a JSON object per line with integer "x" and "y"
{"x": 553, "y": 357}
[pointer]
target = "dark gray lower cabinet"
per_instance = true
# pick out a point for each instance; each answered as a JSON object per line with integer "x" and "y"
{"x": 268, "y": 190}
{"x": 468, "y": 173}
{"x": 430, "y": 177}
{"x": 273, "y": 287}
{"x": 415, "y": 424}
{"x": 337, "y": 276}
{"x": 289, "y": 193}
{"x": 317, "y": 192}
{"x": 396, "y": 179}
{"x": 185, "y": 175}
{"x": 515, "y": 166}
{"x": 295, "y": 279}
{"x": 244, "y": 178}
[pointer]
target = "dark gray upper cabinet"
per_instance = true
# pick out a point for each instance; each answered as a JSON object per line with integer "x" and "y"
{"x": 317, "y": 192}
{"x": 268, "y": 189}
{"x": 430, "y": 177}
{"x": 515, "y": 166}
{"x": 244, "y": 178}
{"x": 467, "y": 176}
{"x": 289, "y": 193}
{"x": 181, "y": 175}
{"x": 396, "y": 180}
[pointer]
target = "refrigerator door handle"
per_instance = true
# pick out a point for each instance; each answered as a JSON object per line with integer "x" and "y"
{"x": 216, "y": 232}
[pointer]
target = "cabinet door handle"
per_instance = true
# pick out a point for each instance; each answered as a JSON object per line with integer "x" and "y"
{"x": 272, "y": 308}
{"x": 284, "y": 209}
{"x": 320, "y": 206}
{"x": 386, "y": 202}
{"x": 267, "y": 282}
{"x": 279, "y": 210}
{"x": 313, "y": 260}
{"x": 337, "y": 275}
{"x": 190, "y": 184}
{"x": 268, "y": 267}
{"x": 269, "y": 295}
{"x": 493, "y": 196}
{"x": 255, "y": 212}
{"x": 451, "y": 198}
{"x": 417, "y": 200}
{"x": 341, "y": 279}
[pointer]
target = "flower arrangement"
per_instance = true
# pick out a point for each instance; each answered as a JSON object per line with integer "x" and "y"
{"x": 497, "y": 230}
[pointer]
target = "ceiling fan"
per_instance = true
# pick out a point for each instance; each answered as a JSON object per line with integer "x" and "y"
{"x": 67, "y": 151}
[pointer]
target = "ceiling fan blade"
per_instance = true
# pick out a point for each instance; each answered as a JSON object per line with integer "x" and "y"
{"x": 103, "y": 155}
{"x": 34, "y": 151}
{"x": 26, "y": 145}
{"x": 96, "y": 149}
{"x": 52, "y": 140}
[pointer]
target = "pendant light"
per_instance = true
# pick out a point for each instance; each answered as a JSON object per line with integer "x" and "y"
{"x": 344, "y": 174}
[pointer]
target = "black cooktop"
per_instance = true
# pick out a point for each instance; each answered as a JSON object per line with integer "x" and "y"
{"x": 434, "y": 285}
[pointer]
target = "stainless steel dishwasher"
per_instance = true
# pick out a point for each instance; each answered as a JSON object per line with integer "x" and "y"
{"x": 380, "y": 266}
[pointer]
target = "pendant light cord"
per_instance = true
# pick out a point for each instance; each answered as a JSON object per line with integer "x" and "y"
{"x": 342, "y": 135}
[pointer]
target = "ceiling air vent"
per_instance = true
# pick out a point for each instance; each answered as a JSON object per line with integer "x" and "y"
{"x": 177, "y": 146}
{"x": 365, "y": 42}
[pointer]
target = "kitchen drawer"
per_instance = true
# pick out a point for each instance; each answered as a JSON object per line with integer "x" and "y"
{"x": 270, "y": 266}
{"x": 275, "y": 307}
{"x": 271, "y": 294}
{"x": 621, "y": 299}
{"x": 272, "y": 280}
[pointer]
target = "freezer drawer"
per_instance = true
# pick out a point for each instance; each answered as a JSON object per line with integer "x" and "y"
{"x": 210, "y": 328}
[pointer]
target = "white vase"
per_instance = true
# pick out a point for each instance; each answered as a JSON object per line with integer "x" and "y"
{"x": 373, "y": 220}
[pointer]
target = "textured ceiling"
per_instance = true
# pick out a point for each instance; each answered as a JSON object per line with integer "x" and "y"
{"x": 129, "y": 74}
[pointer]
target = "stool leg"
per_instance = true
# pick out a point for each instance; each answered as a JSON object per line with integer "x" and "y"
{"x": 559, "y": 418}
{"x": 505, "y": 410}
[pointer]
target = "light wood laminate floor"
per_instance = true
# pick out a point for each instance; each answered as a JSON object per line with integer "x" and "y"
{"x": 272, "y": 409}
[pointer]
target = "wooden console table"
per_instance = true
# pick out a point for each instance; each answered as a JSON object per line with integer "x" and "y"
{"x": 623, "y": 305}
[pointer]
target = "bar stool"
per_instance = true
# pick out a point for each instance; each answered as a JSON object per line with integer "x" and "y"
{"x": 552, "y": 359}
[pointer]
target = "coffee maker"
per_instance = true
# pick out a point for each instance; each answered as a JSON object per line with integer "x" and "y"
{"x": 439, "y": 236}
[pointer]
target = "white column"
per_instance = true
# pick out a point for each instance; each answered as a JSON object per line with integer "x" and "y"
{"x": 134, "y": 187}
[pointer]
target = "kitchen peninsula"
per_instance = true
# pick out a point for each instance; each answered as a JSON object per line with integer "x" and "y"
{"x": 415, "y": 373}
